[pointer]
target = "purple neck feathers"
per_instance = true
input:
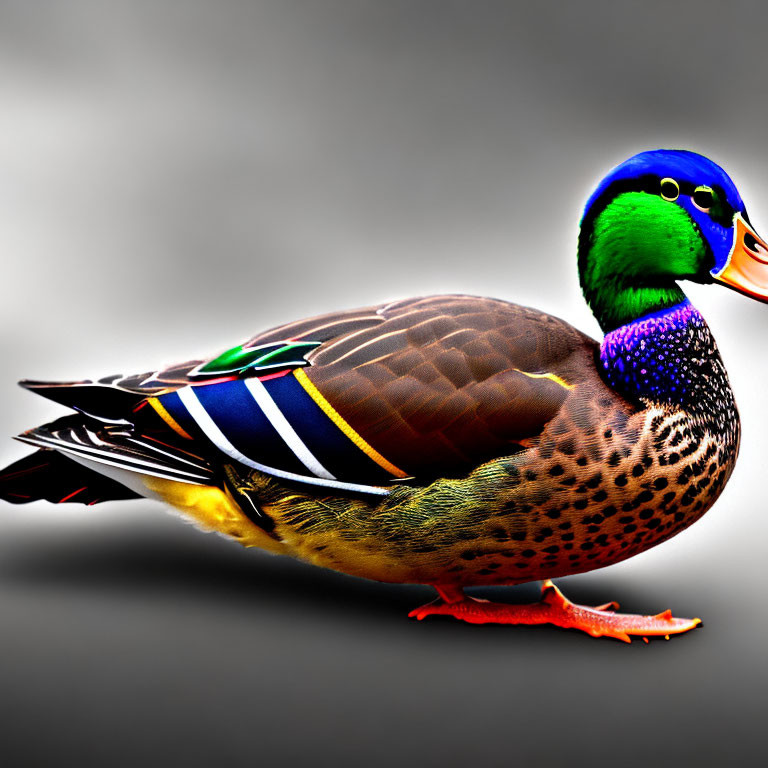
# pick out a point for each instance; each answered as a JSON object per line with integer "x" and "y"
{"x": 668, "y": 357}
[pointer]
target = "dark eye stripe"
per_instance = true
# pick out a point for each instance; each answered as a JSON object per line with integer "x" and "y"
{"x": 722, "y": 212}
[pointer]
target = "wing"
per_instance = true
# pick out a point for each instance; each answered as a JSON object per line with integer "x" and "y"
{"x": 445, "y": 383}
{"x": 420, "y": 388}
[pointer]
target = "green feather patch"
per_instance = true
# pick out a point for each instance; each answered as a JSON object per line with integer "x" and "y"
{"x": 239, "y": 360}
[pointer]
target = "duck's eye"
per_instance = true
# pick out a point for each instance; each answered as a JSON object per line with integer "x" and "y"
{"x": 703, "y": 198}
{"x": 670, "y": 189}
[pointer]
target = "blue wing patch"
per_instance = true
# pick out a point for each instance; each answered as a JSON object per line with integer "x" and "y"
{"x": 273, "y": 425}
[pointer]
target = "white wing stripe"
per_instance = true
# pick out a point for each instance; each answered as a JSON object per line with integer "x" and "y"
{"x": 284, "y": 429}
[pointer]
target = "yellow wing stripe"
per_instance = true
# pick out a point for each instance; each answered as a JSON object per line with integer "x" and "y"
{"x": 342, "y": 424}
{"x": 551, "y": 376}
{"x": 167, "y": 418}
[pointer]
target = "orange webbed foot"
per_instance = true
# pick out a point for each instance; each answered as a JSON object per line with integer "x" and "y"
{"x": 555, "y": 608}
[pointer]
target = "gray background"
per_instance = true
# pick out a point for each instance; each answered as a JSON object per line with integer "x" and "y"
{"x": 177, "y": 176}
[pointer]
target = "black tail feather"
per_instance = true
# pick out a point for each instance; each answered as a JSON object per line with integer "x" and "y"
{"x": 47, "y": 474}
{"x": 120, "y": 447}
{"x": 95, "y": 398}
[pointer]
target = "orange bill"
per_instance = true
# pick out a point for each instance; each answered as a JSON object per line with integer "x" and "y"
{"x": 746, "y": 269}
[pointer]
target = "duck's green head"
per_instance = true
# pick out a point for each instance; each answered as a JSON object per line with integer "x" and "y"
{"x": 660, "y": 217}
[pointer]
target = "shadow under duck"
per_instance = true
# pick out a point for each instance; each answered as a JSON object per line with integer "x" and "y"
{"x": 452, "y": 440}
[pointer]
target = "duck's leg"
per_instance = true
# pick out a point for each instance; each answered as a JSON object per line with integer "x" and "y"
{"x": 554, "y": 608}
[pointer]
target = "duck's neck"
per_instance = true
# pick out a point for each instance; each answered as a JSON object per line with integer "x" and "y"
{"x": 633, "y": 248}
{"x": 669, "y": 357}
{"x": 632, "y": 252}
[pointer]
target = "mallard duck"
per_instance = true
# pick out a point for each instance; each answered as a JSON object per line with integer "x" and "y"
{"x": 452, "y": 440}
